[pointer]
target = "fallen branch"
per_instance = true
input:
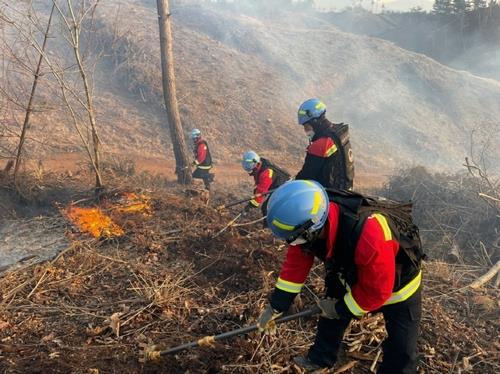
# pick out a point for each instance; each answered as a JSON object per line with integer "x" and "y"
{"x": 345, "y": 367}
{"x": 486, "y": 277}
{"x": 489, "y": 197}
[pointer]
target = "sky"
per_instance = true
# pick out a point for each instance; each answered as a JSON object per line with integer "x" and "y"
{"x": 400, "y": 5}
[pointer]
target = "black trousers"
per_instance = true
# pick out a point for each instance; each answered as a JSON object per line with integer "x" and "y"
{"x": 205, "y": 175}
{"x": 402, "y": 322}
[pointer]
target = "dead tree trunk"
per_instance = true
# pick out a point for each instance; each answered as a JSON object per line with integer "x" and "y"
{"x": 29, "y": 108}
{"x": 169, "y": 94}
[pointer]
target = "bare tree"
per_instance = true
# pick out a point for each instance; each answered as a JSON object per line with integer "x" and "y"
{"x": 74, "y": 27}
{"x": 169, "y": 94}
{"x": 17, "y": 67}
{"x": 29, "y": 107}
{"x": 488, "y": 188}
{"x": 72, "y": 18}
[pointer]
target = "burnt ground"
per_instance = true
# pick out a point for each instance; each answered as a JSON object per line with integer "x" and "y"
{"x": 170, "y": 280}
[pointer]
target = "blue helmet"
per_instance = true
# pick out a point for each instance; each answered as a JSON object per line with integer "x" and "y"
{"x": 195, "y": 134}
{"x": 250, "y": 161}
{"x": 297, "y": 209}
{"x": 310, "y": 109}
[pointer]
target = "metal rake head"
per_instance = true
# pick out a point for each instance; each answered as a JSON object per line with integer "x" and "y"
{"x": 148, "y": 352}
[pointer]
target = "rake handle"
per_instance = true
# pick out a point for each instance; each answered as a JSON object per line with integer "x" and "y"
{"x": 244, "y": 330}
{"x": 247, "y": 199}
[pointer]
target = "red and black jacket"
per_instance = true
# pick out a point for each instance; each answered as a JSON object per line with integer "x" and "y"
{"x": 373, "y": 260}
{"x": 202, "y": 157}
{"x": 267, "y": 177}
{"x": 329, "y": 158}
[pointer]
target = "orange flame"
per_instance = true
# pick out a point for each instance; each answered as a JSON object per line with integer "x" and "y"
{"x": 93, "y": 221}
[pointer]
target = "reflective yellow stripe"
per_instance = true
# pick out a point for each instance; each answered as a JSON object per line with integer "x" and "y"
{"x": 282, "y": 225}
{"x": 288, "y": 286}
{"x": 320, "y": 105}
{"x": 309, "y": 183}
{"x": 353, "y": 305}
{"x": 270, "y": 173}
{"x": 302, "y": 111}
{"x": 330, "y": 151}
{"x": 405, "y": 292}
{"x": 204, "y": 167}
{"x": 397, "y": 297}
{"x": 383, "y": 223}
{"x": 316, "y": 203}
{"x": 254, "y": 202}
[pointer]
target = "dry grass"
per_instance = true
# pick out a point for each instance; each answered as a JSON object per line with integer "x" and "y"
{"x": 451, "y": 213}
{"x": 168, "y": 281}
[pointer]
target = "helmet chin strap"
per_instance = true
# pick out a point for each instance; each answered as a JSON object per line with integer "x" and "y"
{"x": 316, "y": 123}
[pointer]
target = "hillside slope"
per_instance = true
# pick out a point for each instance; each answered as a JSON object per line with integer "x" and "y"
{"x": 240, "y": 80}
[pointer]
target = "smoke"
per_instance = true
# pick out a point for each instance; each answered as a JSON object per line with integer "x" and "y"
{"x": 244, "y": 67}
{"x": 402, "y": 107}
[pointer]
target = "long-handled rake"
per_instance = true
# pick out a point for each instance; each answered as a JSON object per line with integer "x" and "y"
{"x": 220, "y": 207}
{"x": 149, "y": 352}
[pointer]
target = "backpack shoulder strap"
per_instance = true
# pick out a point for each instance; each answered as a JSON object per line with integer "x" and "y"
{"x": 276, "y": 168}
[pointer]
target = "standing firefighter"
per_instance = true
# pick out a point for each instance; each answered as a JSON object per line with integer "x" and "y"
{"x": 202, "y": 159}
{"x": 329, "y": 158}
{"x": 267, "y": 177}
{"x": 370, "y": 266}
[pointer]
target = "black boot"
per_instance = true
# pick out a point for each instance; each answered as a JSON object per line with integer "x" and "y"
{"x": 305, "y": 363}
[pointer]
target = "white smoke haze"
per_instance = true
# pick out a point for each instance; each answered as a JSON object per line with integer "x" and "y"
{"x": 376, "y": 5}
{"x": 243, "y": 70}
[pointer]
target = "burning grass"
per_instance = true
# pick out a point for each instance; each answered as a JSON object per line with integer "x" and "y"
{"x": 168, "y": 280}
{"x": 96, "y": 222}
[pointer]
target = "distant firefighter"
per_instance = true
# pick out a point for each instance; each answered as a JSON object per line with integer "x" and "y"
{"x": 202, "y": 159}
{"x": 267, "y": 176}
{"x": 329, "y": 159}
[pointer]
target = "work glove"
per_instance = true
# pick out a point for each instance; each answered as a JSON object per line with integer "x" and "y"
{"x": 266, "y": 323}
{"x": 246, "y": 209}
{"x": 327, "y": 307}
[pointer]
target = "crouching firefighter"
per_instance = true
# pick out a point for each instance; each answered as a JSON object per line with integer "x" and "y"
{"x": 372, "y": 254}
{"x": 267, "y": 176}
{"x": 329, "y": 159}
{"x": 202, "y": 159}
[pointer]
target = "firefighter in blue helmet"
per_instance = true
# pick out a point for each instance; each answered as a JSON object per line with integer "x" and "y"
{"x": 267, "y": 176}
{"x": 369, "y": 268}
{"x": 329, "y": 158}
